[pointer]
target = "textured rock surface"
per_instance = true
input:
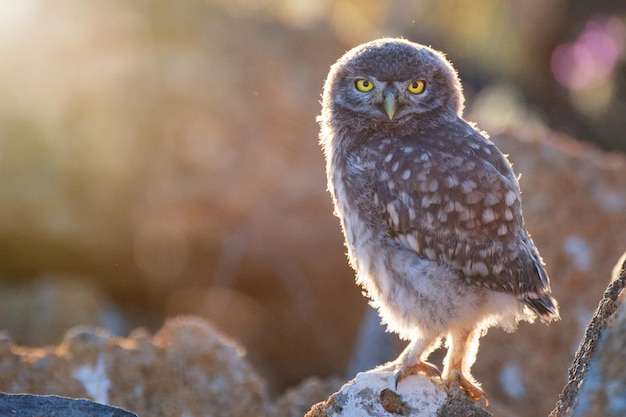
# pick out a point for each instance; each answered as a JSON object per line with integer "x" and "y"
{"x": 603, "y": 390}
{"x": 22, "y": 405}
{"x": 373, "y": 394}
{"x": 187, "y": 369}
{"x": 296, "y": 401}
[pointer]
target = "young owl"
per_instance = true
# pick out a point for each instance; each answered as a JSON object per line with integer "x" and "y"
{"x": 430, "y": 208}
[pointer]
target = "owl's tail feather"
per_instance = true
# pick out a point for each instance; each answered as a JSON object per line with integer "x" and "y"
{"x": 544, "y": 305}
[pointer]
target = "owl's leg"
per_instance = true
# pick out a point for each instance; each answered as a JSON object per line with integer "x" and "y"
{"x": 413, "y": 360}
{"x": 462, "y": 350}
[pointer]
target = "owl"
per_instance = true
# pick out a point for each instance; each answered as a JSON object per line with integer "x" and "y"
{"x": 430, "y": 209}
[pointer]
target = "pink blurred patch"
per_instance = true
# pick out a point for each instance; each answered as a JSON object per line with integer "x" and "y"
{"x": 593, "y": 56}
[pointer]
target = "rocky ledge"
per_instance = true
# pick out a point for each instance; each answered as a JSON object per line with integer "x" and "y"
{"x": 52, "y": 406}
{"x": 373, "y": 394}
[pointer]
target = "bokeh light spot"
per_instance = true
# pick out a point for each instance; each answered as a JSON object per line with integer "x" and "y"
{"x": 592, "y": 58}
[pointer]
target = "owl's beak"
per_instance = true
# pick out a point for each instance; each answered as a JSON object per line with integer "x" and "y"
{"x": 390, "y": 104}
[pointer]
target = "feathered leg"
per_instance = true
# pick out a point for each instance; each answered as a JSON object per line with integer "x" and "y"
{"x": 462, "y": 350}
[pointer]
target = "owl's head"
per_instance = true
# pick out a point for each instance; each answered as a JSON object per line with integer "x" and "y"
{"x": 391, "y": 82}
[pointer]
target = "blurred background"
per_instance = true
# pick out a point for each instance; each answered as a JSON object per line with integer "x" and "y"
{"x": 160, "y": 158}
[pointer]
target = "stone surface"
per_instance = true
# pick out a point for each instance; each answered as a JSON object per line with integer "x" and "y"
{"x": 188, "y": 368}
{"x": 296, "y": 401}
{"x": 24, "y": 405}
{"x": 603, "y": 390}
{"x": 373, "y": 394}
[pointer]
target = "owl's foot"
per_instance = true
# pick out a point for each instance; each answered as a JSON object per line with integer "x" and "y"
{"x": 471, "y": 389}
{"x": 426, "y": 368}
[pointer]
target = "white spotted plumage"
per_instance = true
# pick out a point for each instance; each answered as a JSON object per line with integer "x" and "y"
{"x": 430, "y": 208}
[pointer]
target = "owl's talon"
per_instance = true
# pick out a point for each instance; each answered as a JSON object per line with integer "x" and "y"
{"x": 425, "y": 368}
{"x": 472, "y": 390}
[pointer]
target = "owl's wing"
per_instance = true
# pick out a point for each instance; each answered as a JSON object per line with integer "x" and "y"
{"x": 453, "y": 198}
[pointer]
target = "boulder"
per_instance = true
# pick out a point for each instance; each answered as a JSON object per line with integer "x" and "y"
{"x": 603, "y": 393}
{"x": 187, "y": 368}
{"x": 597, "y": 382}
{"x": 25, "y": 405}
{"x": 373, "y": 394}
{"x": 296, "y": 401}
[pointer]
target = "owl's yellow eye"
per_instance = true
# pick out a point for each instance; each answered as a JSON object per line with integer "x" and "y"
{"x": 364, "y": 85}
{"x": 417, "y": 87}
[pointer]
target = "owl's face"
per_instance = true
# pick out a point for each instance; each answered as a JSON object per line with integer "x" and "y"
{"x": 391, "y": 82}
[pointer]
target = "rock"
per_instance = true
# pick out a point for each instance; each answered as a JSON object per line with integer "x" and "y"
{"x": 25, "y": 405}
{"x": 597, "y": 385}
{"x": 603, "y": 392}
{"x": 187, "y": 368}
{"x": 373, "y": 394}
{"x": 296, "y": 401}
